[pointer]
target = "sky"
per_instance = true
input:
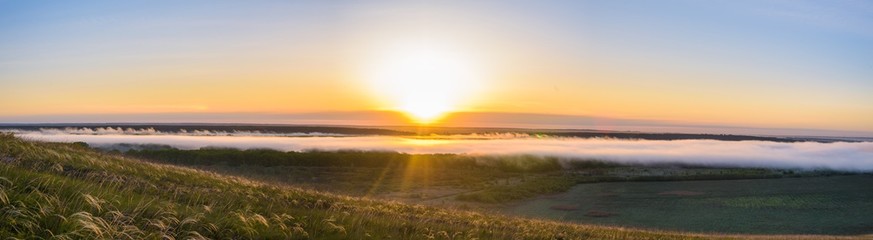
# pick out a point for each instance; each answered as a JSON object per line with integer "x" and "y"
{"x": 757, "y": 64}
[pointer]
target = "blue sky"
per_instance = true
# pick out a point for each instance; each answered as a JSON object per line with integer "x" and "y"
{"x": 795, "y": 64}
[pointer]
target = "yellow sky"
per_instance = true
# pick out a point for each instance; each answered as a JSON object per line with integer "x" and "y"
{"x": 717, "y": 66}
{"x": 285, "y": 92}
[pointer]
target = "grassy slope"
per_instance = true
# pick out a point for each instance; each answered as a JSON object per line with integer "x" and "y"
{"x": 52, "y": 190}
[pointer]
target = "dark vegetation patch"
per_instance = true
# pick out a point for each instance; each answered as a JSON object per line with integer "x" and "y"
{"x": 808, "y": 205}
{"x": 483, "y": 179}
{"x": 599, "y": 214}
{"x": 607, "y": 194}
{"x": 565, "y": 207}
{"x": 527, "y": 188}
{"x": 360, "y": 172}
{"x": 345, "y": 158}
{"x": 680, "y": 193}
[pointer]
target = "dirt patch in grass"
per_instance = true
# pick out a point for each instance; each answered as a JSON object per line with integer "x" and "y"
{"x": 680, "y": 193}
{"x": 565, "y": 207}
{"x": 600, "y": 214}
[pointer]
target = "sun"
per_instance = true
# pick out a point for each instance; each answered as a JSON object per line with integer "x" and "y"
{"x": 424, "y": 80}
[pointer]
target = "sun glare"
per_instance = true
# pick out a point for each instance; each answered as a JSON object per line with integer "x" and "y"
{"x": 425, "y": 81}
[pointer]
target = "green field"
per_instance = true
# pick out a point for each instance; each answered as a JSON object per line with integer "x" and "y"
{"x": 813, "y": 205}
{"x": 435, "y": 179}
{"x": 66, "y": 191}
{"x": 69, "y": 191}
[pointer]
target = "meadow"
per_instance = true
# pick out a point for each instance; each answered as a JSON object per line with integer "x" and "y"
{"x": 442, "y": 179}
{"x": 69, "y": 191}
{"x": 811, "y": 205}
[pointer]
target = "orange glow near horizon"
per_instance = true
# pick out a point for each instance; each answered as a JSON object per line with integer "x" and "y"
{"x": 425, "y": 80}
{"x": 424, "y": 61}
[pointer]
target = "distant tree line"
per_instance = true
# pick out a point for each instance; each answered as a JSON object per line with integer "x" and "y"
{"x": 345, "y": 158}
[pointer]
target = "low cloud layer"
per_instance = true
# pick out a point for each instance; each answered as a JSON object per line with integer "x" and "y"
{"x": 857, "y": 156}
{"x": 152, "y": 131}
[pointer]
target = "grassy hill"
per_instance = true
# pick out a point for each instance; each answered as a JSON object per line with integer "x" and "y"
{"x": 67, "y": 191}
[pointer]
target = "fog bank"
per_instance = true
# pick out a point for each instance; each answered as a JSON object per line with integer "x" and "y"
{"x": 152, "y": 131}
{"x": 855, "y": 156}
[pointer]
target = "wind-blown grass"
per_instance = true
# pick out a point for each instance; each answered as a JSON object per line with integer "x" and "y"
{"x": 65, "y": 191}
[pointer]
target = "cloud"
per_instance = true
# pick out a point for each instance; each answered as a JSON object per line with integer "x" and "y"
{"x": 851, "y": 156}
{"x": 152, "y": 131}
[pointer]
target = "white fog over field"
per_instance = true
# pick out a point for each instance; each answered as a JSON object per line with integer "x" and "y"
{"x": 853, "y": 156}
